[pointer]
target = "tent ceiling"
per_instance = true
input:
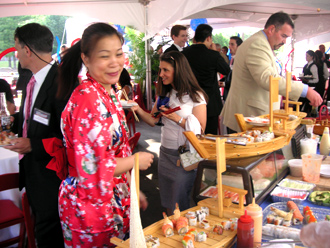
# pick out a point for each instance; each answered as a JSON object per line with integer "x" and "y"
{"x": 313, "y": 16}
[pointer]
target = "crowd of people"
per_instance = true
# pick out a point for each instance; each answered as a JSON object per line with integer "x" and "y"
{"x": 86, "y": 200}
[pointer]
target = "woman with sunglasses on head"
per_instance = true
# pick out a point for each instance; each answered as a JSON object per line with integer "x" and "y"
{"x": 176, "y": 82}
{"x": 94, "y": 200}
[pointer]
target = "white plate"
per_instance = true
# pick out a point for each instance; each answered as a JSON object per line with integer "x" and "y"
{"x": 325, "y": 170}
{"x": 256, "y": 121}
{"x": 124, "y": 104}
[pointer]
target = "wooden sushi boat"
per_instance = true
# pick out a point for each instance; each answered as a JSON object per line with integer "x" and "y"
{"x": 220, "y": 211}
{"x": 285, "y": 118}
{"x": 282, "y": 136}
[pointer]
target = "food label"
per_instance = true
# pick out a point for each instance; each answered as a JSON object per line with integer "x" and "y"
{"x": 5, "y": 123}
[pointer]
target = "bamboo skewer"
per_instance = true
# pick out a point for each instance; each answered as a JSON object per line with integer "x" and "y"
{"x": 126, "y": 97}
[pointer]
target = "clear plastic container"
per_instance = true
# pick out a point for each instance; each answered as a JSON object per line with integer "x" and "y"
{"x": 295, "y": 167}
{"x": 283, "y": 195}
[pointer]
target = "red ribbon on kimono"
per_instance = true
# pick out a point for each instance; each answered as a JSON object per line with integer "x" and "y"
{"x": 59, "y": 163}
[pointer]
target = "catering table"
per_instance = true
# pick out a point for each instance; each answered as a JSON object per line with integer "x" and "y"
{"x": 9, "y": 164}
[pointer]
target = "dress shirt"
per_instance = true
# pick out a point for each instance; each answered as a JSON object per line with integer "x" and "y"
{"x": 40, "y": 78}
{"x": 178, "y": 47}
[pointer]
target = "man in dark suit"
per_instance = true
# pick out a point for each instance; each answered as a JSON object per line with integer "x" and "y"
{"x": 325, "y": 57}
{"x": 34, "y": 44}
{"x": 180, "y": 36}
{"x": 206, "y": 62}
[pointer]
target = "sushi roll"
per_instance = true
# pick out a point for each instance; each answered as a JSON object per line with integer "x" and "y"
{"x": 192, "y": 221}
{"x": 286, "y": 223}
{"x": 218, "y": 229}
{"x": 206, "y": 210}
{"x": 192, "y": 231}
{"x": 182, "y": 225}
{"x": 167, "y": 227}
{"x": 151, "y": 244}
{"x": 270, "y": 218}
{"x": 155, "y": 240}
{"x": 201, "y": 236}
{"x": 278, "y": 221}
{"x": 188, "y": 241}
{"x": 189, "y": 214}
{"x": 148, "y": 237}
{"x": 205, "y": 224}
{"x": 268, "y": 230}
{"x": 226, "y": 224}
{"x": 200, "y": 215}
{"x": 233, "y": 225}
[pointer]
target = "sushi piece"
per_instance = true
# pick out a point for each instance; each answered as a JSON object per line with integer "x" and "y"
{"x": 151, "y": 244}
{"x": 182, "y": 225}
{"x": 297, "y": 217}
{"x": 327, "y": 217}
{"x": 206, "y": 210}
{"x": 189, "y": 214}
{"x": 268, "y": 230}
{"x": 167, "y": 227}
{"x": 176, "y": 214}
{"x": 226, "y": 224}
{"x": 194, "y": 232}
{"x": 188, "y": 241}
{"x": 309, "y": 216}
{"x": 192, "y": 221}
{"x": 200, "y": 215}
{"x": 233, "y": 225}
{"x": 201, "y": 236}
{"x": 278, "y": 221}
{"x": 218, "y": 229}
{"x": 270, "y": 218}
{"x": 205, "y": 224}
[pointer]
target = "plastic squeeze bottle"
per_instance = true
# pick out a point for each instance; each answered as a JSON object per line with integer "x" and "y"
{"x": 325, "y": 142}
{"x": 245, "y": 231}
{"x": 255, "y": 211}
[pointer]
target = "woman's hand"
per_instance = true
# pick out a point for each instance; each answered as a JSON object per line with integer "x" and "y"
{"x": 172, "y": 116}
{"x": 143, "y": 201}
{"x": 145, "y": 160}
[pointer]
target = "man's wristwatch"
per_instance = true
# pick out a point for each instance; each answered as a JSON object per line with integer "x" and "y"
{"x": 180, "y": 121}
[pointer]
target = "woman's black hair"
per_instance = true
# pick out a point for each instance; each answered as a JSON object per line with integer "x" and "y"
{"x": 184, "y": 80}
{"x": 71, "y": 62}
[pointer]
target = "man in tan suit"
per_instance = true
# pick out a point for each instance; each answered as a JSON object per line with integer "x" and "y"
{"x": 254, "y": 63}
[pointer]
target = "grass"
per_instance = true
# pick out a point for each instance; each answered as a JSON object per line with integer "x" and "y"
{"x": 6, "y": 63}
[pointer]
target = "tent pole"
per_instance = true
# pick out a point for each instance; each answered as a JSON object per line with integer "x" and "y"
{"x": 148, "y": 61}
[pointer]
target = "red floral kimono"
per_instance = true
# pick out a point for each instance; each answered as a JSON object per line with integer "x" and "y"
{"x": 93, "y": 204}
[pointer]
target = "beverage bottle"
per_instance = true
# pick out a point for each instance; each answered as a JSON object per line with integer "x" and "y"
{"x": 4, "y": 113}
{"x": 325, "y": 142}
{"x": 245, "y": 231}
{"x": 314, "y": 112}
{"x": 255, "y": 211}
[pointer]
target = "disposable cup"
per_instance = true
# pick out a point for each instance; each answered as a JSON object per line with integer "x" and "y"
{"x": 311, "y": 166}
{"x": 308, "y": 146}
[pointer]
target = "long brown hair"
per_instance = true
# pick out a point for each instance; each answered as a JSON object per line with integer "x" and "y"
{"x": 184, "y": 79}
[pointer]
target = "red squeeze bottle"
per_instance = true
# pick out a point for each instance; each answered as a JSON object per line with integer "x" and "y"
{"x": 245, "y": 231}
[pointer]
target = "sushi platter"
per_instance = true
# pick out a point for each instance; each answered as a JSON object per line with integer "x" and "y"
{"x": 279, "y": 221}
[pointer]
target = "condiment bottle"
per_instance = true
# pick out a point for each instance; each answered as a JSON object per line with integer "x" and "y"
{"x": 4, "y": 114}
{"x": 325, "y": 142}
{"x": 245, "y": 231}
{"x": 255, "y": 211}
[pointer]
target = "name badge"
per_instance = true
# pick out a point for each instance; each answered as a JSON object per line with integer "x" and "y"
{"x": 41, "y": 116}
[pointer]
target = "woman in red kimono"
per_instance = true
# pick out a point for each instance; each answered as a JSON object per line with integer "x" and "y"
{"x": 94, "y": 199}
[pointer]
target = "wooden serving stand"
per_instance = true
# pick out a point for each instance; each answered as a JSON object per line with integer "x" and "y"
{"x": 282, "y": 132}
{"x": 219, "y": 211}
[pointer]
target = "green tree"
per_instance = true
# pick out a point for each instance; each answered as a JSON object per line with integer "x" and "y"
{"x": 8, "y": 25}
{"x": 220, "y": 39}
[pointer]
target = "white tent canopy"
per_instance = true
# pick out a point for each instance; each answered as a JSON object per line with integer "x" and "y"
{"x": 312, "y": 16}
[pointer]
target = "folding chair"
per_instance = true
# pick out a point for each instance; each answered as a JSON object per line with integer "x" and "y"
{"x": 29, "y": 222}
{"x": 10, "y": 214}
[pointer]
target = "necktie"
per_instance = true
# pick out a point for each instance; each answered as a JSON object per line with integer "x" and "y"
{"x": 28, "y": 102}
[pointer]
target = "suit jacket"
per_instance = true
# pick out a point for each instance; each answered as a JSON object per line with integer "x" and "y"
{"x": 327, "y": 60}
{"x": 249, "y": 90}
{"x": 39, "y": 181}
{"x": 171, "y": 48}
{"x": 206, "y": 63}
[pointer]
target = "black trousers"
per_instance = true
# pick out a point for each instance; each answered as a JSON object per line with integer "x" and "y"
{"x": 212, "y": 125}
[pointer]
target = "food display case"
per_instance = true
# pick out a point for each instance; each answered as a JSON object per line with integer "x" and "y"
{"x": 258, "y": 175}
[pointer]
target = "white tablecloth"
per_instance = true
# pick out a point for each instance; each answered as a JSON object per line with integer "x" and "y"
{"x": 9, "y": 164}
